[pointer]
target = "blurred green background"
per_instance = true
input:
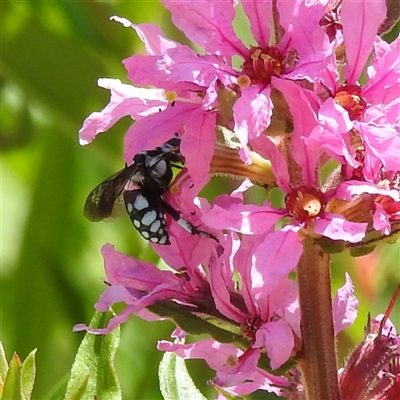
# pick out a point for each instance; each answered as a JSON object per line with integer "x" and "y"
{"x": 52, "y": 54}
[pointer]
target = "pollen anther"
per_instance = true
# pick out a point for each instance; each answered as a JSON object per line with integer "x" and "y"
{"x": 174, "y": 189}
{"x": 243, "y": 81}
{"x": 232, "y": 360}
{"x": 170, "y": 96}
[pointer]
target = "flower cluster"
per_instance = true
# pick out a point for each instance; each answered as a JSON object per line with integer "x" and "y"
{"x": 310, "y": 93}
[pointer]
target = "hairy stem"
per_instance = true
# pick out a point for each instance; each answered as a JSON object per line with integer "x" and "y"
{"x": 226, "y": 161}
{"x": 318, "y": 357}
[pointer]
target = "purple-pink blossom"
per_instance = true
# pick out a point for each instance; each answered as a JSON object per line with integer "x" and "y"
{"x": 327, "y": 121}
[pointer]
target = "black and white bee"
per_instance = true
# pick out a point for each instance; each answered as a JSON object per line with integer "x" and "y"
{"x": 141, "y": 186}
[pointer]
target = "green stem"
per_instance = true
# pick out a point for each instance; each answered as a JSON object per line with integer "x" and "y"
{"x": 318, "y": 357}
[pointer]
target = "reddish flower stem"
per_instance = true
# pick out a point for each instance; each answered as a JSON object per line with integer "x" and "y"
{"x": 317, "y": 358}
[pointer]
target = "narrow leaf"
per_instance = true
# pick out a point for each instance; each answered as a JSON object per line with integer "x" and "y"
{"x": 175, "y": 381}
{"x": 81, "y": 390}
{"x": 93, "y": 374}
{"x": 58, "y": 390}
{"x": 3, "y": 365}
{"x": 28, "y": 373}
{"x": 12, "y": 384}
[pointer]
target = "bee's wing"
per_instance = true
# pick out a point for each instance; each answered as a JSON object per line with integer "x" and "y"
{"x": 100, "y": 202}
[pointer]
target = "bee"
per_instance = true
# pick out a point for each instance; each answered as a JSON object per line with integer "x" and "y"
{"x": 141, "y": 187}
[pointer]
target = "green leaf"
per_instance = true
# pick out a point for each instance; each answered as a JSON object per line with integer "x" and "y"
{"x": 93, "y": 373}
{"x": 175, "y": 381}
{"x": 373, "y": 238}
{"x": 362, "y": 251}
{"x": 81, "y": 390}
{"x": 195, "y": 325}
{"x": 58, "y": 390}
{"x": 12, "y": 385}
{"x": 28, "y": 373}
{"x": 331, "y": 246}
{"x": 3, "y": 366}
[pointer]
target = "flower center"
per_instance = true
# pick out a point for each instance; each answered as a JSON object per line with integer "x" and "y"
{"x": 250, "y": 326}
{"x": 349, "y": 97}
{"x": 262, "y": 64}
{"x": 330, "y": 22}
{"x": 232, "y": 360}
{"x": 305, "y": 203}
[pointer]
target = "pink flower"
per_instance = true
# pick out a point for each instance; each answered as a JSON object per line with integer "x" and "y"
{"x": 300, "y": 51}
{"x": 168, "y": 66}
{"x": 191, "y": 81}
{"x": 368, "y": 112}
{"x": 265, "y": 310}
{"x": 290, "y": 99}
{"x": 237, "y": 371}
{"x": 140, "y": 284}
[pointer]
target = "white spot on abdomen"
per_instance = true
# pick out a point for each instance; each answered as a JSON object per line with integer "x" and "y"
{"x": 141, "y": 202}
{"x": 149, "y": 217}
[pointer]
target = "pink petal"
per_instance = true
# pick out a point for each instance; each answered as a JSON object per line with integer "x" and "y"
{"x": 304, "y": 121}
{"x": 304, "y": 34}
{"x": 207, "y": 23}
{"x": 258, "y": 12}
{"x": 347, "y": 190}
{"x": 150, "y": 132}
{"x": 382, "y": 143}
{"x": 151, "y": 35}
{"x": 113, "y": 324}
{"x": 125, "y": 100}
{"x": 345, "y": 306}
{"x": 243, "y": 264}
{"x": 283, "y": 301}
{"x": 383, "y": 85}
{"x": 112, "y": 295}
{"x": 381, "y": 220}
{"x": 198, "y": 146}
{"x": 336, "y": 227}
{"x": 243, "y": 187}
{"x": 261, "y": 380}
{"x": 214, "y": 353}
{"x": 178, "y": 69}
{"x": 221, "y": 294}
{"x": 278, "y": 340}
{"x": 186, "y": 250}
{"x": 275, "y": 257}
{"x": 381, "y": 114}
{"x": 233, "y": 374}
{"x": 267, "y": 149}
{"x": 389, "y": 329}
{"x": 129, "y": 272}
{"x": 245, "y": 218}
{"x": 252, "y": 114}
{"x": 331, "y": 135}
{"x": 360, "y": 20}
